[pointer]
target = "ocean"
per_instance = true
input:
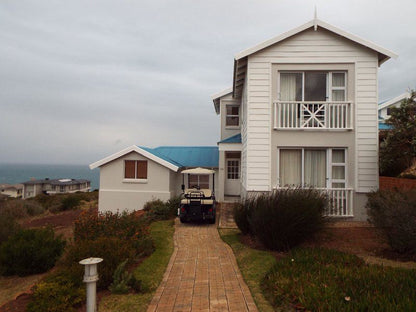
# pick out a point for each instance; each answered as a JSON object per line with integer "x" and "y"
{"x": 18, "y": 173}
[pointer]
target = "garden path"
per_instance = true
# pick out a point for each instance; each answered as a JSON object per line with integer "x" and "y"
{"x": 202, "y": 274}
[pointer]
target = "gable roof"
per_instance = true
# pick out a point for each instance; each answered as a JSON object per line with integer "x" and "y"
{"x": 217, "y": 96}
{"x": 171, "y": 157}
{"x": 232, "y": 139}
{"x": 394, "y": 100}
{"x": 240, "y": 59}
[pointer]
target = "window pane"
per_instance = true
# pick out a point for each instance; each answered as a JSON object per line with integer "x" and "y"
{"x": 141, "y": 169}
{"x": 232, "y": 110}
{"x": 338, "y": 80}
{"x": 291, "y": 87}
{"x": 129, "y": 168}
{"x": 338, "y": 172}
{"x": 338, "y": 156}
{"x": 204, "y": 181}
{"x": 315, "y": 168}
{"x": 192, "y": 181}
{"x": 315, "y": 86}
{"x": 232, "y": 121}
{"x": 338, "y": 95}
{"x": 290, "y": 167}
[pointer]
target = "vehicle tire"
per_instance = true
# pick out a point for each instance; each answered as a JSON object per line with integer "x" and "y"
{"x": 183, "y": 220}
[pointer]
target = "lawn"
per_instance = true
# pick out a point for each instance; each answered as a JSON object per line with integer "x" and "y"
{"x": 316, "y": 279}
{"x": 321, "y": 279}
{"x": 150, "y": 272}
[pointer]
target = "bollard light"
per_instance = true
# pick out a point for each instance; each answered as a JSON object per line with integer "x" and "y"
{"x": 91, "y": 278}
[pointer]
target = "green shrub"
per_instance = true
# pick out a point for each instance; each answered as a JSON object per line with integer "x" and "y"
{"x": 56, "y": 295}
{"x": 70, "y": 202}
{"x": 158, "y": 210}
{"x": 394, "y": 214}
{"x": 33, "y": 208}
{"x": 8, "y": 227}
{"x": 242, "y": 214}
{"x": 123, "y": 280}
{"x": 129, "y": 226}
{"x": 112, "y": 250}
{"x": 30, "y": 251}
{"x": 285, "y": 218}
{"x": 13, "y": 209}
{"x": 328, "y": 280}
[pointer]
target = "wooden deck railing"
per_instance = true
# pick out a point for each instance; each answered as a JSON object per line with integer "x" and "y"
{"x": 313, "y": 115}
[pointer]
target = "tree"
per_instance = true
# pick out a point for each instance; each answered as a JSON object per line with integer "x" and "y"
{"x": 398, "y": 149}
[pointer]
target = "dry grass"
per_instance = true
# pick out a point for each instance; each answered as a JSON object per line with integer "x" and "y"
{"x": 13, "y": 286}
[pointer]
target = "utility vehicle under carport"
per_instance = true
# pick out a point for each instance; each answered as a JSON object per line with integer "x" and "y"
{"x": 197, "y": 204}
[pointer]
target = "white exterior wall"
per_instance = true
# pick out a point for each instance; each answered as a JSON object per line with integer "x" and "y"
{"x": 118, "y": 195}
{"x": 243, "y": 163}
{"x": 310, "y": 47}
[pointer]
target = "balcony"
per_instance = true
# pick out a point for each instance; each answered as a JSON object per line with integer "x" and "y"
{"x": 313, "y": 115}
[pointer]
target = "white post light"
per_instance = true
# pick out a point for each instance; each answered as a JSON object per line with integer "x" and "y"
{"x": 91, "y": 278}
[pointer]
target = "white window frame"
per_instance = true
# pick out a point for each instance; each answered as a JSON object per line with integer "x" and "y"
{"x": 239, "y": 168}
{"x": 209, "y": 180}
{"x": 230, "y": 115}
{"x": 135, "y": 180}
{"x": 329, "y": 87}
{"x": 329, "y": 165}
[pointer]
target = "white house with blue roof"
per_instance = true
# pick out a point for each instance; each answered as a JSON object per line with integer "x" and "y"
{"x": 384, "y": 108}
{"x": 302, "y": 111}
{"x": 137, "y": 174}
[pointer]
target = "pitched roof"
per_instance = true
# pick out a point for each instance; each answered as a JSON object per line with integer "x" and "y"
{"x": 171, "y": 157}
{"x": 217, "y": 96}
{"x": 189, "y": 156}
{"x": 240, "y": 59}
{"x": 232, "y": 139}
{"x": 394, "y": 100}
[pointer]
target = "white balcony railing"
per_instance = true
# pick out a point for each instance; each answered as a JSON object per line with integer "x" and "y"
{"x": 312, "y": 115}
{"x": 340, "y": 201}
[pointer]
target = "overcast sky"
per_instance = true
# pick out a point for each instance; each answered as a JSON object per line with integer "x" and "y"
{"x": 80, "y": 80}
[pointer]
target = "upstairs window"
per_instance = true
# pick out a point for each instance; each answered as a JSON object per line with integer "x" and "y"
{"x": 311, "y": 86}
{"x": 135, "y": 169}
{"x": 232, "y": 118}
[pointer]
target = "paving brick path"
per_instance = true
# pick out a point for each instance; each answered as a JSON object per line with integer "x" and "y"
{"x": 202, "y": 274}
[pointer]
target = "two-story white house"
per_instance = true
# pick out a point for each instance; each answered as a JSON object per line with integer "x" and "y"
{"x": 302, "y": 111}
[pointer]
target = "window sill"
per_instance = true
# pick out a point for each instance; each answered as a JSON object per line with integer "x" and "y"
{"x": 232, "y": 127}
{"x": 143, "y": 181}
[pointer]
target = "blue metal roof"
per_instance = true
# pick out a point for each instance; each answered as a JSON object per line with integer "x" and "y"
{"x": 233, "y": 139}
{"x": 187, "y": 156}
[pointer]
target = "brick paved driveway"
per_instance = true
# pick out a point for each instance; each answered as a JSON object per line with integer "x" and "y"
{"x": 202, "y": 274}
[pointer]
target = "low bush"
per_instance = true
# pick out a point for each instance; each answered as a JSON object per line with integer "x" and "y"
{"x": 112, "y": 250}
{"x": 123, "y": 281}
{"x": 70, "y": 202}
{"x": 30, "y": 251}
{"x": 394, "y": 215}
{"x": 56, "y": 295}
{"x": 284, "y": 218}
{"x": 328, "y": 280}
{"x": 159, "y": 210}
{"x": 242, "y": 213}
{"x": 129, "y": 226}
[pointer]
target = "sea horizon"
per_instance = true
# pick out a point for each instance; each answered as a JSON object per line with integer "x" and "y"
{"x": 13, "y": 173}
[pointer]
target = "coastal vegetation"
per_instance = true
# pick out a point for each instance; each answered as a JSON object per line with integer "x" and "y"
{"x": 140, "y": 243}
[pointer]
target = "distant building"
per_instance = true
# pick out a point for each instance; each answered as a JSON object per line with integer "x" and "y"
{"x": 11, "y": 190}
{"x": 56, "y": 186}
{"x": 385, "y": 107}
